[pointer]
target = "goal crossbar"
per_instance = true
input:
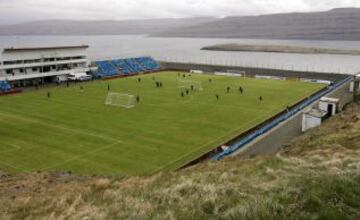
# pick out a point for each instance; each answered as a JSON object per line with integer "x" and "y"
{"x": 120, "y": 100}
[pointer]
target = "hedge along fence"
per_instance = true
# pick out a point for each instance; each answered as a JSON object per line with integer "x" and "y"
{"x": 237, "y": 145}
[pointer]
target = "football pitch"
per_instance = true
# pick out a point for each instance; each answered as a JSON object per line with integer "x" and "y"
{"x": 74, "y": 130}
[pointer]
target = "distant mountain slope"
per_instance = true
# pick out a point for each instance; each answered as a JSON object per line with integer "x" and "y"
{"x": 337, "y": 24}
{"x": 69, "y": 27}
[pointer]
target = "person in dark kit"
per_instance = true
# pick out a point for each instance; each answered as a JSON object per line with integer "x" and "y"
{"x": 241, "y": 90}
{"x": 192, "y": 87}
{"x": 81, "y": 89}
{"x": 108, "y": 87}
{"x": 160, "y": 84}
{"x": 228, "y": 89}
{"x": 187, "y": 92}
{"x": 182, "y": 94}
{"x": 67, "y": 84}
{"x": 137, "y": 99}
{"x": 139, "y": 80}
{"x": 217, "y": 96}
{"x": 260, "y": 98}
{"x": 210, "y": 80}
{"x": 48, "y": 95}
{"x": 184, "y": 75}
{"x": 190, "y": 75}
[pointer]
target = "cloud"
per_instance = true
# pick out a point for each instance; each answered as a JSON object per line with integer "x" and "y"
{"x": 13, "y": 11}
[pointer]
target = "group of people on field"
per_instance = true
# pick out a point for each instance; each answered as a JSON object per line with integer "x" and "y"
{"x": 159, "y": 84}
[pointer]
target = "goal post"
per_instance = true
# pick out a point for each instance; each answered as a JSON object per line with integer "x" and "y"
{"x": 187, "y": 84}
{"x": 120, "y": 100}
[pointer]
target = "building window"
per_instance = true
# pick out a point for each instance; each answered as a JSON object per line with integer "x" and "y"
{"x": 9, "y": 71}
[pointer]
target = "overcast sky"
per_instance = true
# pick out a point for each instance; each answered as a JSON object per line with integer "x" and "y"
{"x": 14, "y": 11}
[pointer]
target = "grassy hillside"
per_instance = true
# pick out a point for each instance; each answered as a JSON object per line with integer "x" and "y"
{"x": 75, "y": 131}
{"x": 316, "y": 177}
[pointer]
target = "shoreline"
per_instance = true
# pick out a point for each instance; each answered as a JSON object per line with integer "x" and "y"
{"x": 279, "y": 49}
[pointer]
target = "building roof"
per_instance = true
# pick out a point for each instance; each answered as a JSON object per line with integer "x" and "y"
{"x": 330, "y": 100}
{"x": 317, "y": 113}
{"x": 20, "y": 49}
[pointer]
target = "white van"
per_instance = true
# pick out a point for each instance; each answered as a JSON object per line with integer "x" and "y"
{"x": 61, "y": 78}
{"x": 79, "y": 77}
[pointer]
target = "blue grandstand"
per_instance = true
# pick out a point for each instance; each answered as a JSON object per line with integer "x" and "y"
{"x": 123, "y": 67}
{"x": 148, "y": 63}
{"x": 106, "y": 69}
{"x": 4, "y": 86}
{"x": 135, "y": 66}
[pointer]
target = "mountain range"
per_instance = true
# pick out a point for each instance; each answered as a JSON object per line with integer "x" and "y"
{"x": 336, "y": 24}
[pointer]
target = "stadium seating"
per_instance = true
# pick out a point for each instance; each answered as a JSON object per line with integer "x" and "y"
{"x": 129, "y": 66}
{"x": 135, "y": 66}
{"x": 148, "y": 63}
{"x": 123, "y": 66}
{"x": 105, "y": 68}
{"x": 4, "y": 86}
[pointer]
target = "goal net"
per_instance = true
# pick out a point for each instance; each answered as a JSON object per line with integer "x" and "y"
{"x": 120, "y": 100}
{"x": 187, "y": 84}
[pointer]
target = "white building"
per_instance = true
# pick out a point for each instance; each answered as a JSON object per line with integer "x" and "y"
{"x": 313, "y": 118}
{"x": 31, "y": 66}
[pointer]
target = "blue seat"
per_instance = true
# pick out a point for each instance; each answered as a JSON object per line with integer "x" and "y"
{"x": 134, "y": 65}
{"x": 4, "y": 86}
{"x": 123, "y": 66}
{"x": 105, "y": 68}
{"x": 126, "y": 66}
{"x": 148, "y": 63}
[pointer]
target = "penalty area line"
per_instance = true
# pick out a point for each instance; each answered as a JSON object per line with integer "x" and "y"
{"x": 81, "y": 156}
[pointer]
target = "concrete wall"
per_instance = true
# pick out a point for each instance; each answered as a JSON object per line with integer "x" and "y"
{"x": 255, "y": 71}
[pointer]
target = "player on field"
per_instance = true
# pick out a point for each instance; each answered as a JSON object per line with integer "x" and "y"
{"x": 137, "y": 99}
{"x": 260, "y": 98}
{"x": 48, "y": 95}
{"x": 217, "y": 96}
{"x": 228, "y": 89}
{"x": 187, "y": 92}
{"x": 210, "y": 80}
{"x": 139, "y": 80}
{"x": 241, "y": 90}
{"x": 182, "y": 94}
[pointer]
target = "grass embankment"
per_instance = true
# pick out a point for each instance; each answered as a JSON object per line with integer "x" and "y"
{"x": 316, "y": 177}
{"x": 280, "y": 49}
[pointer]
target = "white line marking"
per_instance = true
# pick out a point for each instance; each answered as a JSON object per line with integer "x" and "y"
{"x": 15, "y": 167}
{"x": 202, "y": 146}
{"x": 15, "y": 148}
{"x": 81, "y": 156}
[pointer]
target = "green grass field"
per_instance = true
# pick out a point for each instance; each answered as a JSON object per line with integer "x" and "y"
{"x": 75, "y": 131}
